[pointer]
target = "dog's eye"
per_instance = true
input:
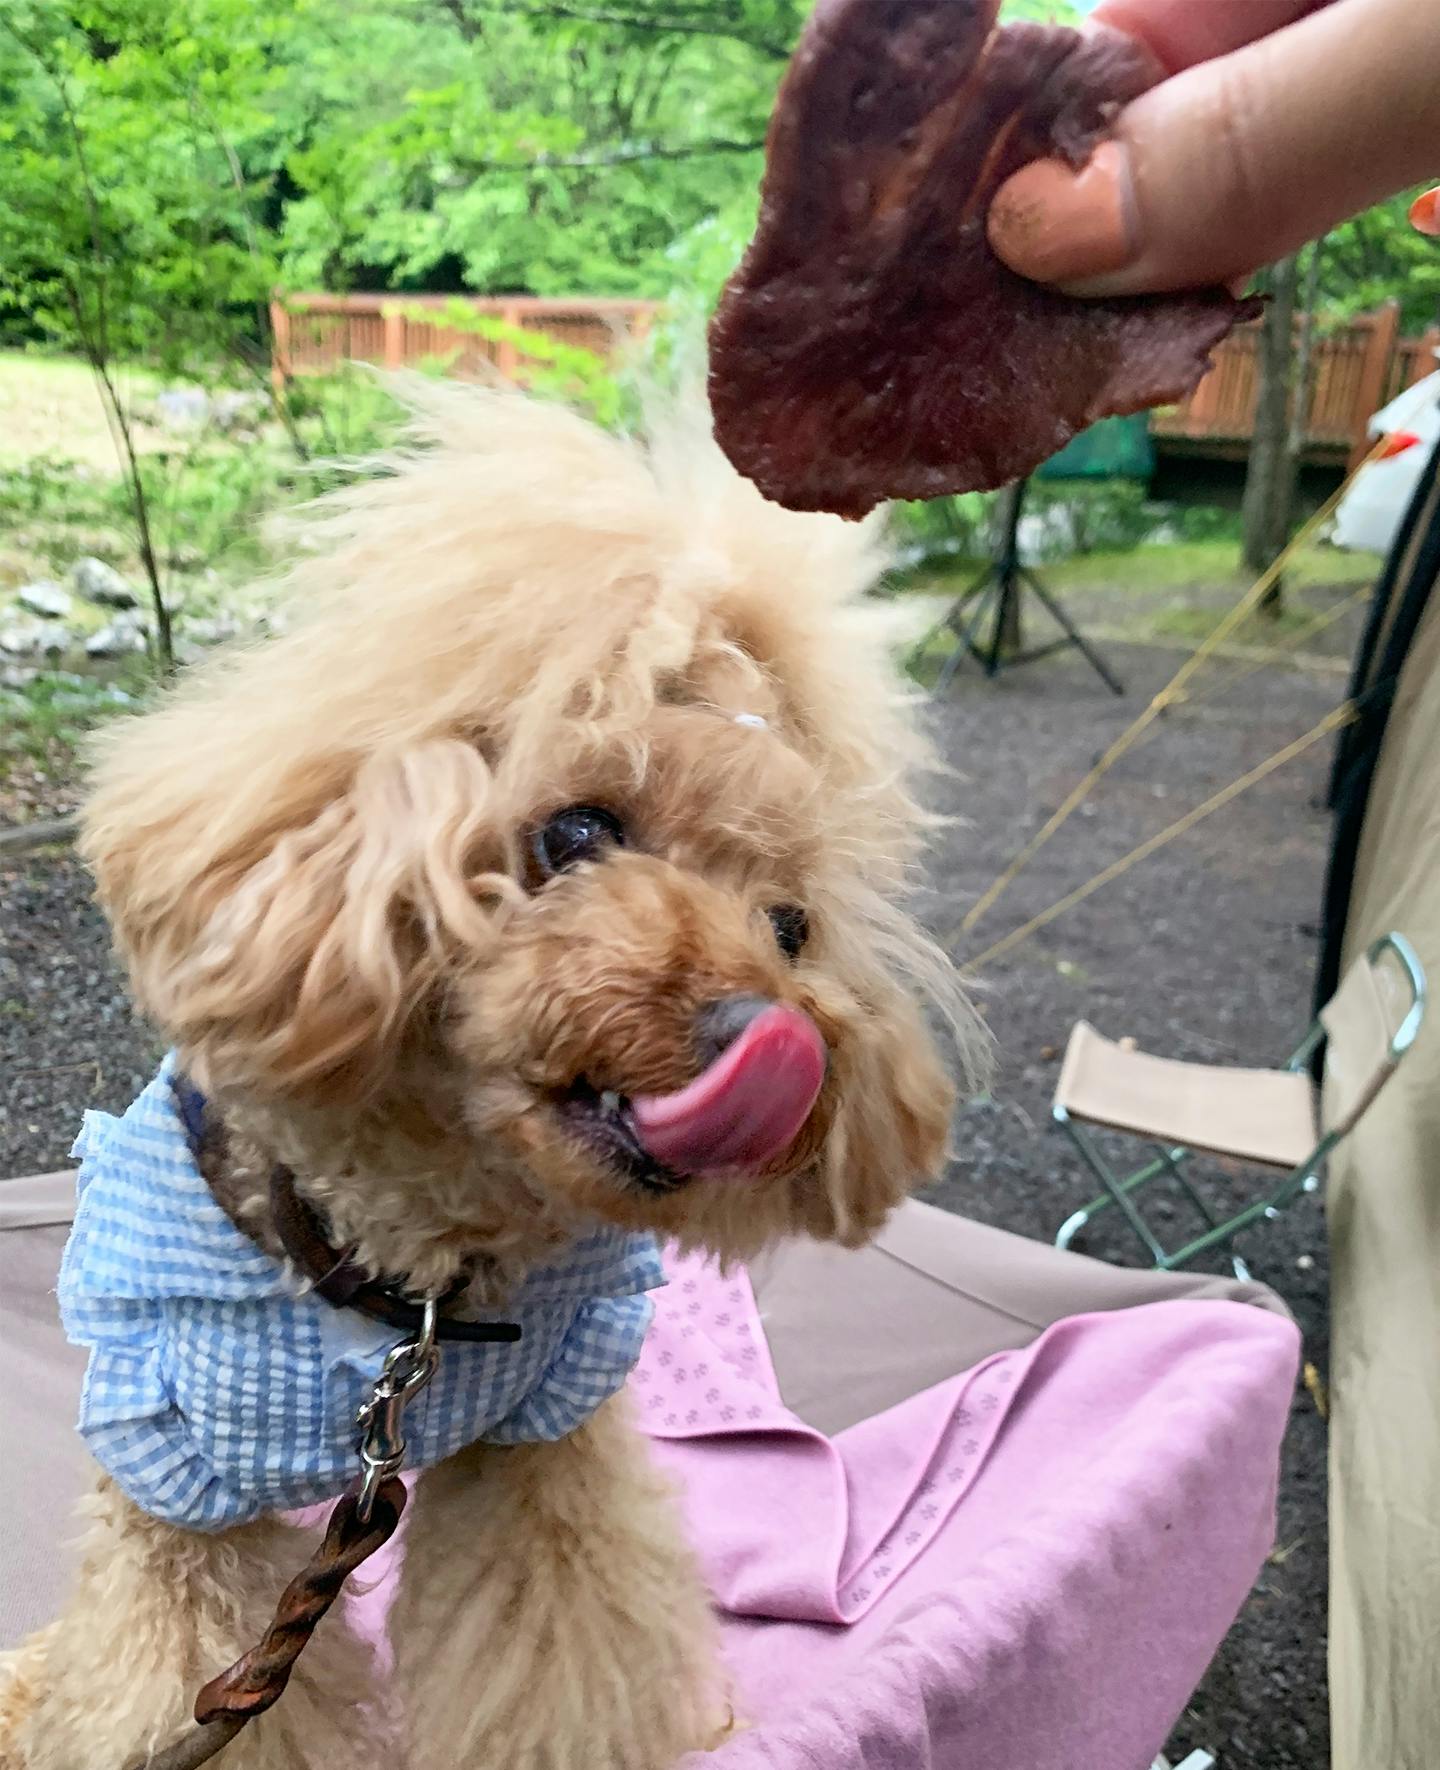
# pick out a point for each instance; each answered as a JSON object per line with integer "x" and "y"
{"x": 792, "y": 928}
{"x": 580, "y": 832}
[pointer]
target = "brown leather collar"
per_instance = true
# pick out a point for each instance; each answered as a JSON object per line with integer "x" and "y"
{"x": 332, "y": 1271}
{"x": 337, "y": 1278}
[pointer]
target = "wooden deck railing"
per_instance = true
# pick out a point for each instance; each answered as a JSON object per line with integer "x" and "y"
{"x": 1357, "y": 368}
{"x": 316, "y": 333}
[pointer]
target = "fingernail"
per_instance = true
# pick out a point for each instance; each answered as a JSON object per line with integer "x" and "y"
{"x": 1056, "y": 225}
{"x": 1425, "y": 213}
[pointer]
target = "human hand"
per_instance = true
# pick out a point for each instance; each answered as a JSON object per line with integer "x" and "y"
{"x": 1280, "y": 118}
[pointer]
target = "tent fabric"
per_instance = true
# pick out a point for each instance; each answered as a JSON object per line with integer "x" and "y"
{"x": 1384, "y": 1192}
{"x": 1396, "y": 609}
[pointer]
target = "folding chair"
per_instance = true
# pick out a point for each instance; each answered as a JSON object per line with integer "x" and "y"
{"x": 1271, "y": 1118}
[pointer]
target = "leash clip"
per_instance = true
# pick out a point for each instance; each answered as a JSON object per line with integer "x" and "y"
{"x": 409, "y": 1367}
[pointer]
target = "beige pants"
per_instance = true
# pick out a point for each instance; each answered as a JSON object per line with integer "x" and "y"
{"x": 850, "y": 1334}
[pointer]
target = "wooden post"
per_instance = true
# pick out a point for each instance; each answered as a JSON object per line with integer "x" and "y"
{"x": 1370, "y": 389}
{"x": 279, "y": 344}
{"x": 394, "y": 337}
{"x": 507, "y": 352}
{"x": 1424, "y": 362}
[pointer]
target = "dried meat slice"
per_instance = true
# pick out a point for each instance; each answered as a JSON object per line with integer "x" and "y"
{"x": 871, "y": 345}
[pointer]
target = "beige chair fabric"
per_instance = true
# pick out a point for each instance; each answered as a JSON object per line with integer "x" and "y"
{"x": 850, "y": 1335}
{"x": 39, "y": 1395}
{"x": 1383, "y": 1205}
{"x": 1259, "y": 1115}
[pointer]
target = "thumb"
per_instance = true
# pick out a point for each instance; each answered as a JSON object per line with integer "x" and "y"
{"x": 1238, "y": 161}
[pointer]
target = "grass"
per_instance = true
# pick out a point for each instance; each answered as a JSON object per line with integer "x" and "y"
{"x": 1175, "y": 594}
{"x": 1160, "y": 568}
{"x": 49, "y": 408}
{"x": 46, "y": 720}
{"x": 1180, "y": 565}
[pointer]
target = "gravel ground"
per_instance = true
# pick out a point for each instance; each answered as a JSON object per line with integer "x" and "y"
{"x": 1204, "y": 951}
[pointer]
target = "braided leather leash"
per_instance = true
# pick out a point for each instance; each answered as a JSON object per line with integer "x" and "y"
{"x": 258, "y": 1679}
{"x": 360, "y": 1524}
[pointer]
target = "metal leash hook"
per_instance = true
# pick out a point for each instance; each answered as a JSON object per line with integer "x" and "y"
{"x": 360, "y": 1523}
{"x": 409, "y": 1367}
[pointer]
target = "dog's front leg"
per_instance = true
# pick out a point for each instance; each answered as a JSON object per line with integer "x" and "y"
{"x": 156, "y": 1613}
{"x": 550, "y": 1616}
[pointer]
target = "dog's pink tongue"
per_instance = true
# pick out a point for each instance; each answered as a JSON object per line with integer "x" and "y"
{"x": 747, "y": 1107}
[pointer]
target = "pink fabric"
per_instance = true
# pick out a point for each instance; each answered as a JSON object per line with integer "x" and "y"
{"x": 1025, "y": 1567}
{"x": 1034, "y": 1560}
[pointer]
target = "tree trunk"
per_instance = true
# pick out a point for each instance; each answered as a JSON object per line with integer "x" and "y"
{"x": 1266, "y": 510}
{"x": 1303, "y": 381}
{"x": 1305, "y": 353}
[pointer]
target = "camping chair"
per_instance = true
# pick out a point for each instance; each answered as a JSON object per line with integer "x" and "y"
{"x": 1271, "y": 1118}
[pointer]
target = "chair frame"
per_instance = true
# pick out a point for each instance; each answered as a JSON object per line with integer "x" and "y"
{"x": 1171, "y": 1158}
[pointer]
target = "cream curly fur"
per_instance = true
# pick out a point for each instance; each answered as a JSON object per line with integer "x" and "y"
{"x": 314, "y": 857}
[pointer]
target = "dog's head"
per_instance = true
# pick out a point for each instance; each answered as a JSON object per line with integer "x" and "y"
{"x": 552, "y": 859}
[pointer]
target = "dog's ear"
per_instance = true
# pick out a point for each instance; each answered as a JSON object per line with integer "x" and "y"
{"x": 295, "y": 962}
{"x": 891, "y": 1129}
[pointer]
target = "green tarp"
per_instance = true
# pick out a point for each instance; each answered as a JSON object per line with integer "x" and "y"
{"x": 1115, "y": 448}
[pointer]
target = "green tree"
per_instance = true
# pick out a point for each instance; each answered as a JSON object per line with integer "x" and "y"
{"x": 516, "y": 146}
{"x": 129, "y": 232}
{"x": 1379, "y": 257}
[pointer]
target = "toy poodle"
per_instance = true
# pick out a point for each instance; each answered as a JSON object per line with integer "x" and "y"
{"x": 534, "y": 900}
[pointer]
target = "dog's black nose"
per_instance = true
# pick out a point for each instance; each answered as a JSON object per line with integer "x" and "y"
{"x": 720, "y": 1023}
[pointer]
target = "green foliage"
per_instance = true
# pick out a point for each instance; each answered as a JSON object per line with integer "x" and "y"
{"x": 207, "y": 498}
{"x": 580, "y": 146}
{"x": 513, "y": 148}
{"x": 346, "y": 416}
{"x": 945, "y": 529}
{"x": 1379, "y": 257}
{"x": 547, "y": 366}
{"x": 1099, "y": 516}
{"x": 127, "y": 226}
{"x": 1206, "y": 522}
{"x": 46, "y": 720}
{"x": 1075, "y": 518}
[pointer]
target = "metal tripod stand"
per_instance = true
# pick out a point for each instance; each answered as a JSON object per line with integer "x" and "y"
{"x": 998, "y": 592}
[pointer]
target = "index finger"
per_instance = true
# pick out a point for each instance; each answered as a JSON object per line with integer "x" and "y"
{"x": 1182, "y": 32}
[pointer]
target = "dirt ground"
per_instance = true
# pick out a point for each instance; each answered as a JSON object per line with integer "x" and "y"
{"x": 1204, "y": 951}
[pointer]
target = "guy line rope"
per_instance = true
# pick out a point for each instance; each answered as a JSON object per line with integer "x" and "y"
{"x": 1168, "y": 696}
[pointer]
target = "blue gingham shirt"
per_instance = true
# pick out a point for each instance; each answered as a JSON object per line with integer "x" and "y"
{"x": 219, "y": 1388}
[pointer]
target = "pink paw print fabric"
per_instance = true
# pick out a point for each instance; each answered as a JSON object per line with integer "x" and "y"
{"x": 797, "y": 1525}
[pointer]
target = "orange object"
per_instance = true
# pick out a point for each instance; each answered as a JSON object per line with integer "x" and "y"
{"x": 1396, "y": 444}
{"x": 1425, "y": 213}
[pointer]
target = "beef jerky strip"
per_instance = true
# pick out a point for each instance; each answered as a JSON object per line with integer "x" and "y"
{"x": 872, "y": 345}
